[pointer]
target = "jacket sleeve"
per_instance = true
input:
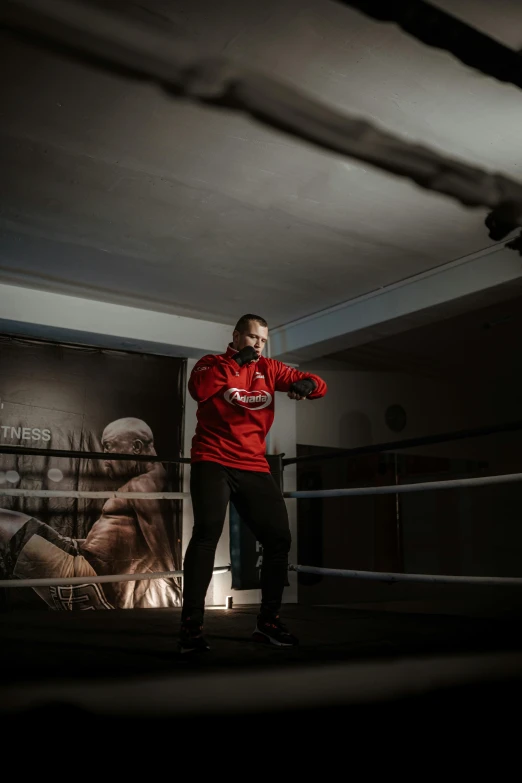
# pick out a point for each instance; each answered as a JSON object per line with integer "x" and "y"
{"x": 209, "y": 375}
{"x": 284, "y": 377}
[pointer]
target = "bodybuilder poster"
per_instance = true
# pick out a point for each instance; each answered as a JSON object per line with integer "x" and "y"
{"x": 54, "y": 396}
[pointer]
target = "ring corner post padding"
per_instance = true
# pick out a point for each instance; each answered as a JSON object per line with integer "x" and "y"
{"x": 246, "y": 553}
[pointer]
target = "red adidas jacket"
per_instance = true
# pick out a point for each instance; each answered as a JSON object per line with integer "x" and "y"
{"x": 236, "y": 408}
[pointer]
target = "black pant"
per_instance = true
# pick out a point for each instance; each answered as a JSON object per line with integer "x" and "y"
{"x": 261, "y": 505}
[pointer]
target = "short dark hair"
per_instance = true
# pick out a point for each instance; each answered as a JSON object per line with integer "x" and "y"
{"x": 242, "y": 324}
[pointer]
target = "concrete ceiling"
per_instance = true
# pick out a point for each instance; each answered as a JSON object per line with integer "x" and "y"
{"x": 112, "y": 191}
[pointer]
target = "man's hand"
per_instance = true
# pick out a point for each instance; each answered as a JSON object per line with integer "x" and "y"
{"x": 300, "y": 390}
{"x": 246, "y": 355}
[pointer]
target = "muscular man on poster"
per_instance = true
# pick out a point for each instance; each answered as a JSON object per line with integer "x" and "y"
{"x": 130, "y": 536}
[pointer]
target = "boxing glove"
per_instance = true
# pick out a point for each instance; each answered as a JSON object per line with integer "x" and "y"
{"x": 245, "y": 355}
{"x": 304, "y": 387}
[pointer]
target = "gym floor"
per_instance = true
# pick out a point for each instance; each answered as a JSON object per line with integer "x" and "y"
{"x": 459, "y": 650}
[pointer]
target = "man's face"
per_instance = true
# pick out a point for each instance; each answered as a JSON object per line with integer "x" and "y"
{"x": 119, "y": 443}
{"x": 256, "y": 336}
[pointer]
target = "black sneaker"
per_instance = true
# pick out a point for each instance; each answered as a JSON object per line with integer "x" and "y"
{"x": 270, "y": 630}
{"x": 191, "y": 639}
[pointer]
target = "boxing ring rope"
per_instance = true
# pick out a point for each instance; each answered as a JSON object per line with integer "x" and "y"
{"x": 390, "y": 489}
{"x": 140, "y": 51}
{"x": 390, "y": 578}
{"x": 99, "y": 455}
{"x": 406, "y": 443}
{"x": 105, "y": 579}
{"x": 379, "y": 576}
{"x": 372, "y": 576}
{"x": 395, "y": 489}
{"x": 434, "y": 27}
{"x": 77, "y": 494}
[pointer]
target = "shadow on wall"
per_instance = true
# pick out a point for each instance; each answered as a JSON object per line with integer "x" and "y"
{"x": 355, "y": 429}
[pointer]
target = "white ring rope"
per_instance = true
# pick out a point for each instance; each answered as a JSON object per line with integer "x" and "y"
{"x": 57, "y": 493}
{"x": 374, "y": 576}
{"x": 90, "y": 580}
{"x": 380, "y": 576}
{"x": 325, "y": 493}
{"x": 393, "y": 489}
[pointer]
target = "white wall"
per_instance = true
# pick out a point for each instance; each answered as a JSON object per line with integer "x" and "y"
{"x": 282, "y": 438}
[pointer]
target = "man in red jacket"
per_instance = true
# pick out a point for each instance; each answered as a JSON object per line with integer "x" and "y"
{"x": 235, "y": 394}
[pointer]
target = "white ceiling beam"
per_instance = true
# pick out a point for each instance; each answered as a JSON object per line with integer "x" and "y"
{"x": 474, "y": 281}
{"x": 40, "y": 314}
